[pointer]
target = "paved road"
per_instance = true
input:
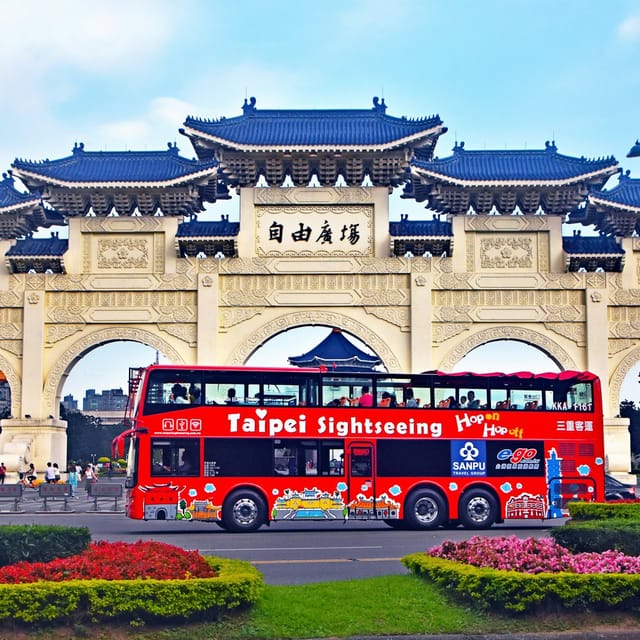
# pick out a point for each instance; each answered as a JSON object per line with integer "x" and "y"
{"x": 285, "y": 553}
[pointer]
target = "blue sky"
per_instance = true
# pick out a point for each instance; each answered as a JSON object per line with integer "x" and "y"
{"x": 502, "y": 74}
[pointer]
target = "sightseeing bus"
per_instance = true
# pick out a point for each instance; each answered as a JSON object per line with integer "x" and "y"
{"x": 245, "y": 447}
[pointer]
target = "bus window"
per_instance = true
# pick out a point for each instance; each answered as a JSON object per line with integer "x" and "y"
{"x": 308, "y": 457}
{"x": 361, "y": 462}
{"x": 175, "y": 456}
{"x": 415, "y": 396}
{"x": 580, "y": 397}
{"x": 473, "y": 398}
{"x": 528, "y": 399}
{"x": 500, "y": 399}
{"x": 445, "y": 398}
{"x": 172, "y": 390}
{"x": 238, "y": 457}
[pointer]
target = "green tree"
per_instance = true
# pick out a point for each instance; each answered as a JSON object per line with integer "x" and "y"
{"x": 87, "y": 436}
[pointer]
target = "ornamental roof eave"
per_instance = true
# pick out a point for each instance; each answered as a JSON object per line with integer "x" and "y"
{"x": 526, "y": 183}
{"x": 392, "y": 145}
{"x": 35, "y": 180}
{"x": 311, "y": 131}
{"x": 116, "y": 169}
{"x": 518, "y": 168}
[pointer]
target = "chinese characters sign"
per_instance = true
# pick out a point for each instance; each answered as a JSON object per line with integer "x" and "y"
{"x": 314, "y": 231}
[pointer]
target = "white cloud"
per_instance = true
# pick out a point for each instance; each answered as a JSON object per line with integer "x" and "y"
{"x": 629, "y": 28}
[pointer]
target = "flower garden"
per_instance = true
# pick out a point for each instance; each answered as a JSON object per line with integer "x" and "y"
{"x": 143, "y": 581}
{"x": 591, "y": 569}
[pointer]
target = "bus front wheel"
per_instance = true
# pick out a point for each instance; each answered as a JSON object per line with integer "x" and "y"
{"x": 243, "y": 511}
{"x": 478, "y": 509}
{"x": 425, "y": 509}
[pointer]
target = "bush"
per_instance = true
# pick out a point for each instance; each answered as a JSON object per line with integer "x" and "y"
{"x": 605, "y": 510}
{"x": 237, "y": 583}
{"x": 594, "y": 535}
{"x": 41, "y": 543}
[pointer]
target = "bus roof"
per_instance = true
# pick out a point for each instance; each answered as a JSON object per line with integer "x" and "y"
{"x": 550, "y": 375}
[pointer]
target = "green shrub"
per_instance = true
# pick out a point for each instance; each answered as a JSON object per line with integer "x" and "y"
{"x": 512, "y": 591}
{"x": 41, "y": 543}
{"x": 604, "y": 510}
{"x": 238, "y": 583}
{"x": 599, "y": 535}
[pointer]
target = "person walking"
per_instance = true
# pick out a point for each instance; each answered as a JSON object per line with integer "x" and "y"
{"x": 73, "y": 480}
{"x": 3, "y": 472}
{"x": 90, "y": 478}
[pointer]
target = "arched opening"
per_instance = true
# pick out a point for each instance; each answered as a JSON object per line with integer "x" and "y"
{"x": 276, "y": 351}
{"x": 94, "y": 396}
{"x": 506, "y": 356}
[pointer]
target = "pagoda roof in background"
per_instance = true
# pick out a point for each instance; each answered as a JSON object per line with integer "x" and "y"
{"x": 614, "y": 211}
{"x": 37, "y": 255}
{"x": 208, "y": 239}
{"x": 22, "y": 213}
{"x": 527, "y": 179}
{"x": 122, "y": 180}
{"x": 301, "y": 143}
{"x": 338, "y": 354}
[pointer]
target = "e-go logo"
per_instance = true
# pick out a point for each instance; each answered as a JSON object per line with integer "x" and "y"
{"x": 521, "y": 454}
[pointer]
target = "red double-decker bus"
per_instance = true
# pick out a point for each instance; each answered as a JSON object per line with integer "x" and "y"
{"x": 245, "y": 447}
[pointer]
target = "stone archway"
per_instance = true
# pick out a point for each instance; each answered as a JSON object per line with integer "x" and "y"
{"x": 55, "y": 379}
{"x": 15, "y": 385}
{"x": 305, "y": 318}
{"x": 617, "y": 379}
{"x": 533, "y": 338}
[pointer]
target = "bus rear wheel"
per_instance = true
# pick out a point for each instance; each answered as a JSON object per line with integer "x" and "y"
{"x": 425, "y": 509}
{"x": 478, "y": 509}
{"x": 243, "y": 511}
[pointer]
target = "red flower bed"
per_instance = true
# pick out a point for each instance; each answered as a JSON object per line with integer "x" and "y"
{"x": 114, "y": 561}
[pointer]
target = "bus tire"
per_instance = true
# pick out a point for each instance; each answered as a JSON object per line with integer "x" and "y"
{"x": 243, "y": 510}
{"x": 478, "y": 509}
{"x": 425, "y": 509}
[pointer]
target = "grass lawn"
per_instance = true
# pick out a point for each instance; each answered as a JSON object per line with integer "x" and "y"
{"x": 392, "y": 605}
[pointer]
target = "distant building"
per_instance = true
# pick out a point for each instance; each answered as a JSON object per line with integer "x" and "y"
{"x": 70, "y": 403}
{"x": 108, "y": 400}
{"x": 5, "y": 399}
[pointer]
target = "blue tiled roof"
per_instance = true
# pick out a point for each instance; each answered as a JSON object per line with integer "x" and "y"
{"x": 100, "y": 167}
{"x": 38, "y": 247}
{"x": 625, "y": 193}
{"x": 336, "y": 350}
{"x": 416, "y": 228}
{"x": 335, "y": 128}
{"x": 523, "y": 166}
{"x": 10, "y": 197}
{"x": 591, "y": 245}
{"x": 208, "y": 229}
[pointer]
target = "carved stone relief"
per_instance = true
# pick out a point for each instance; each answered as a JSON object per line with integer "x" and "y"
{"x": 122, "y": 253}
{"x": 506, "y": 252}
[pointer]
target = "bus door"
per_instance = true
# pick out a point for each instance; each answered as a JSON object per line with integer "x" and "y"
{"x": 361, "y": 481}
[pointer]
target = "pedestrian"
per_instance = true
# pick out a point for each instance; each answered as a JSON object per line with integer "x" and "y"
{"x": 23, "y": 467}
{"x": 31, "y": 476}
{"x": 90, "y": 478}
{"x": 49, "y": 474}
{"x": 73, "y": 479}
{"x": 3, "y": 472}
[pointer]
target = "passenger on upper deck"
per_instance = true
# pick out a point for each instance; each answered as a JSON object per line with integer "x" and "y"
{"x": 366, "y": 399}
